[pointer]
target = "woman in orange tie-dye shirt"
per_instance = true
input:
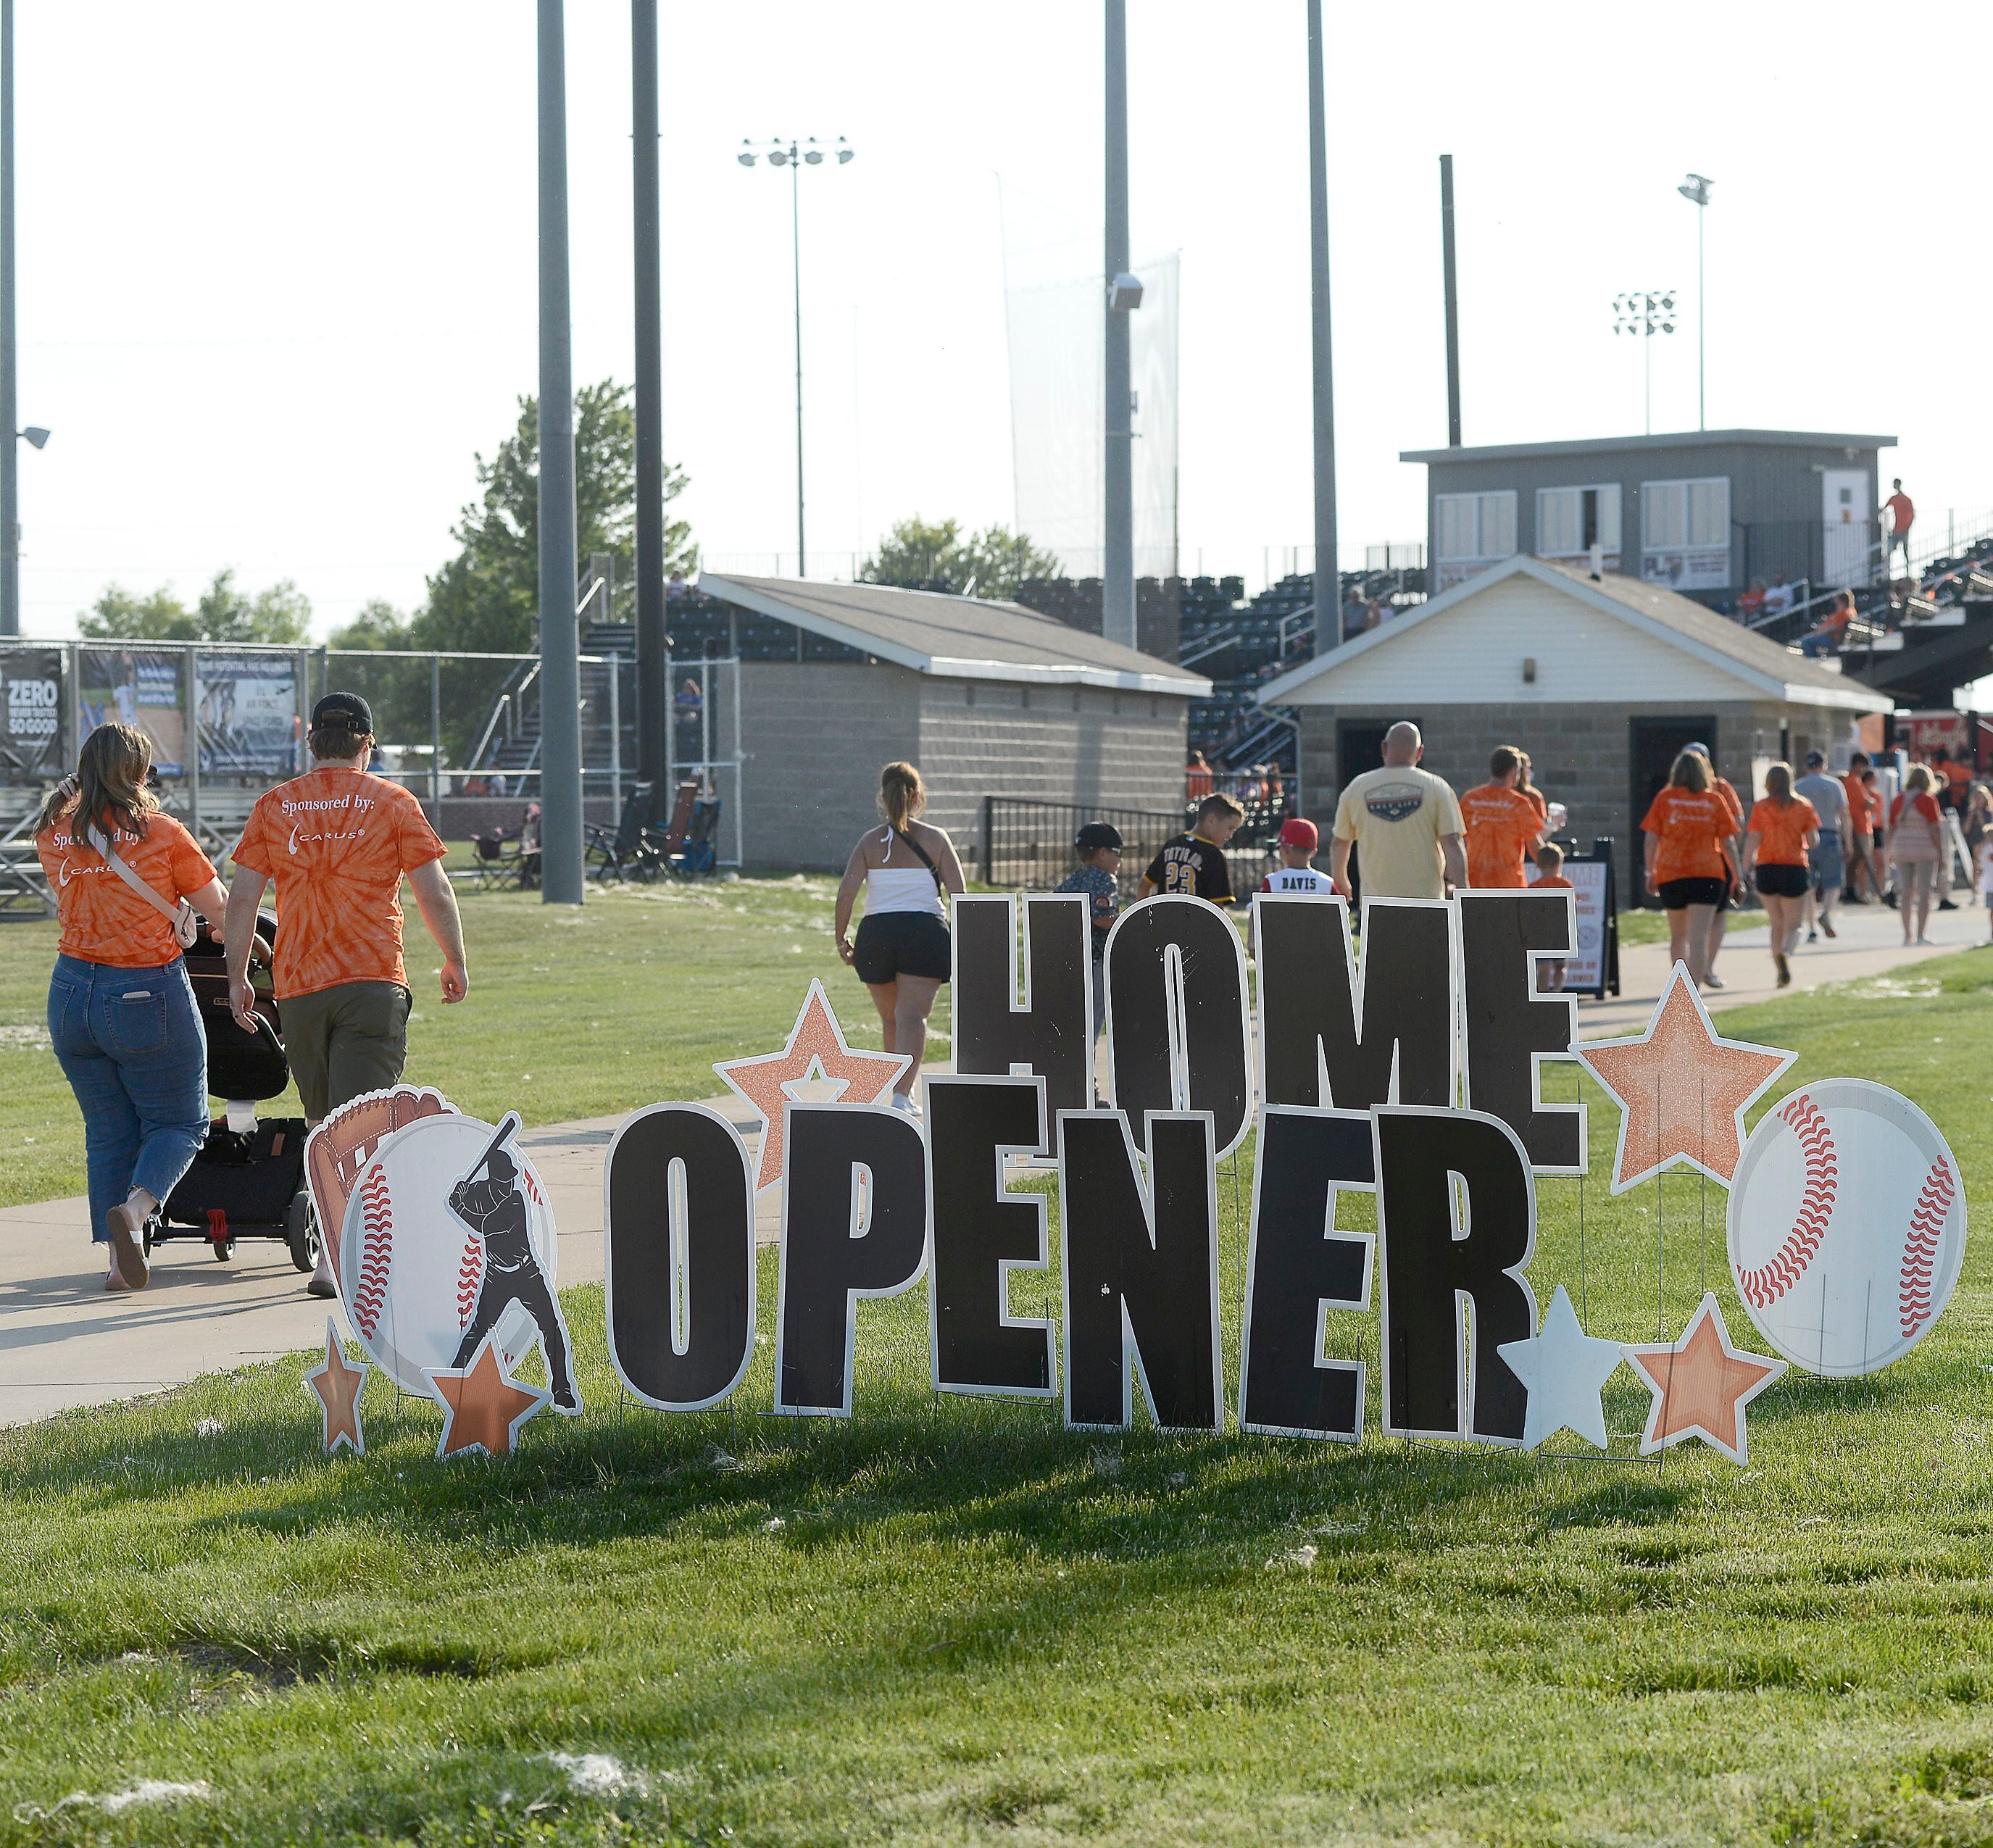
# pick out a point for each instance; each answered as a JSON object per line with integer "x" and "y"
{"x": 121, "y": 1016}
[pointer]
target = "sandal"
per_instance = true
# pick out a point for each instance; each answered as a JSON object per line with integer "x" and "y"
{"x": 127, "y": 1226}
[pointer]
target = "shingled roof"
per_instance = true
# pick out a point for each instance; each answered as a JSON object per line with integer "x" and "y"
{"x": 955, "y": 637}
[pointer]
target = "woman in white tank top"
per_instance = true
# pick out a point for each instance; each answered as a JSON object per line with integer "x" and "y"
{"x": 902, "y": 953}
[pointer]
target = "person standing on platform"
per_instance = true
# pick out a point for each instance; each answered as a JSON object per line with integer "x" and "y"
{"x": 1901, "y": 511}
{"x": 1405, "y": 825}
{"x": 1504, "y": 827}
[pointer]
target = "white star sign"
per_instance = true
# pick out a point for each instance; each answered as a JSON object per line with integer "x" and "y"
{"x": 1565, "y": 1370}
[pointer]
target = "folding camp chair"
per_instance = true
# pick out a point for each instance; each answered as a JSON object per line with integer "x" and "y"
{"x": 611, "y": 855}
{"x": 700, "y": 855}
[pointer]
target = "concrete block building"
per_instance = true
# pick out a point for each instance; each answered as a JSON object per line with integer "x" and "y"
{"x": 989, "y": 698}
{"x": 1601, "y": 680}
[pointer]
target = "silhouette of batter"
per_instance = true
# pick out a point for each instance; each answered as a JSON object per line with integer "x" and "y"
{"x": 495, "y": 1211}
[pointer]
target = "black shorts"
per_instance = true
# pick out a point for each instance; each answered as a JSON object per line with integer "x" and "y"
{"x": 1677, "y": 894}
{"x": 901, "y": 943}
{"x": 1784, "y": 881}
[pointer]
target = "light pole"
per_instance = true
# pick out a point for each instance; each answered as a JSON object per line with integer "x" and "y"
{"x": 795, "y": 155}
{"x": 10, "y": 457}
{"x": 1327, "y": 580}
{"x": 1118, "y": 622}
{"x": 1643, "y": 315}
{"x": 562, "y": 878}
{"x": 1695, "y": 190}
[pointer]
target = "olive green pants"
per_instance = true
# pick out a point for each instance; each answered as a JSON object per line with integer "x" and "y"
{"x": 344, "y": 1041}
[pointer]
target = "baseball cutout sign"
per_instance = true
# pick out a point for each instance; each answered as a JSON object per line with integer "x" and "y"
{"x": 1847, "y": 1226}
{"x": 448, "y": 1237}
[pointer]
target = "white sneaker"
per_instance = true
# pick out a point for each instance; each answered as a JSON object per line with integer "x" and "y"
{"x": 902, "y": 1102}
{"x": 1712, "y": 980}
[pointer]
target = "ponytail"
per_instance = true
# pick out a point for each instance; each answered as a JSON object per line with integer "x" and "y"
{"x": 902, "y": 795}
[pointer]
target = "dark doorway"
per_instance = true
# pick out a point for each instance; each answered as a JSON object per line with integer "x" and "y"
{"x": 1653, "y": 745}
{"x": 1359, "y": 745}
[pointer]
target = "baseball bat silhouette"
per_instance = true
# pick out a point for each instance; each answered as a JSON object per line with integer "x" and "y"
{"x": 508, "y": 1127}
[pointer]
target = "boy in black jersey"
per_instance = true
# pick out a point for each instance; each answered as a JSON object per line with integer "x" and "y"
{"x": 1195, "y": 863}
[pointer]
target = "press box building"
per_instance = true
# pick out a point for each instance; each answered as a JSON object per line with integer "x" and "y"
{"x": 1702, "y": 512}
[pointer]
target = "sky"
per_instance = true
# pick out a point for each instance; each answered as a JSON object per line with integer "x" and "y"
{"x": 278, "y": 266}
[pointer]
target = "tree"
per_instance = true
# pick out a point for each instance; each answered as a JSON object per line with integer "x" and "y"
{"x": 379, "y": 625}
{"x": 224, "y": 613}
{"x": 488, "y": 597}
{"x": 992, "y": 563}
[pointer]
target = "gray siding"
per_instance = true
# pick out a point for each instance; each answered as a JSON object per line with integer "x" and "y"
{"x": 1773, "y": 489}
{"x": 817, "y": 733}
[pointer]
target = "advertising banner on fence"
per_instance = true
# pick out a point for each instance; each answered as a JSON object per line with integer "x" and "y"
{"x": 31, "y": 705}
{"x": 249, "y": 710}
{"x": 138, "y": 687}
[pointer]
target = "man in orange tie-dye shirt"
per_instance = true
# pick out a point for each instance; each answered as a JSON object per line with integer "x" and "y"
{"x": 338, "y": 841}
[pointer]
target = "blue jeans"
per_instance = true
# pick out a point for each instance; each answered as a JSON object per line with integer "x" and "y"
{"x": 130, "y": 1044}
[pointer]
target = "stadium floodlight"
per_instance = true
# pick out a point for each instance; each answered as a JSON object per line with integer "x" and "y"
{"x": 795, "y": 155}
{"x": 37, "y": 435}
{"x": 1695, "y": 190}
{"x": 1645, "y": 312}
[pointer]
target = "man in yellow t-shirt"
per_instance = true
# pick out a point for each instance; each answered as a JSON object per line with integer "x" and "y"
{"x": 1406, "y": 823}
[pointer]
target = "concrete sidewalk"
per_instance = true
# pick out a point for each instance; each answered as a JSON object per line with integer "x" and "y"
{"x": 64, "y": 1341}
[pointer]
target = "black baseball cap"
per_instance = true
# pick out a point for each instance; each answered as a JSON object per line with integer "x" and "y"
{"x": 1097, "y": 835}
{"x": 348, "y": 711}
{"x": 1815, "y": 760}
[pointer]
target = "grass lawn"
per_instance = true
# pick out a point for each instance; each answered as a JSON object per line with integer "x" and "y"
{"x": 570, "y": 1013}
{"x": 1652, "y": 926}
{"x": 949, "y": 1622}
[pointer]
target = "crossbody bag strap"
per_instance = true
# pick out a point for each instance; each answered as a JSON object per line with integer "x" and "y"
{"x": 180, "y": 915}
{"x": 921, "y": 854}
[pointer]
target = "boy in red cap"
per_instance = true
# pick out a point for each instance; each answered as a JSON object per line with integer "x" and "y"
{"x": 1299, "y": 843}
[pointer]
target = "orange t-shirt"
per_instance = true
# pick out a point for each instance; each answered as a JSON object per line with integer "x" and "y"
{"x": 1782, "y": 832}
{"x": 1860, "y": 804}
{"x": 1728, "y": 790}
{"x": 1957, "y": 775}
{"x": 1553, "y": 882}
{"x": 336, "y": 842}
{"x": 1537, "y": 800}
{"x": 1502, "y": 826}
{"x": 103, "y": 919}
{"x": 1902, "y": 510}
{"x": 1690, "y": 826}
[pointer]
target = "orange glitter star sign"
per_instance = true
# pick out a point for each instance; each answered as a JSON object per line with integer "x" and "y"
{"x": 337, "y": 1385}
{"x": 483, "y": 1406}
{"x": 817, "y": 1054}
{"x": 1702, "y": 1385}
{"x": 1682, "y": 1088}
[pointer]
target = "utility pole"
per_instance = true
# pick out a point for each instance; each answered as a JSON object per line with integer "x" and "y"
{"x": 653, "y": 696}
{"x": 1117, "y": 564}
{"x": 10, "y": 409}
{"x": 562, "y": 873}
{"x": 1452, "y": 302}
{"x": 1327, "y": 583}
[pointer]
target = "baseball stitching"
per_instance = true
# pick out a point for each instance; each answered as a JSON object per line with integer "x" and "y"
{"x": 1913, "y": 1290}
{"x": 1764, "y": 1285}
{"x": 376, "y": 1252}
{"x": 470, "y": 1273}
